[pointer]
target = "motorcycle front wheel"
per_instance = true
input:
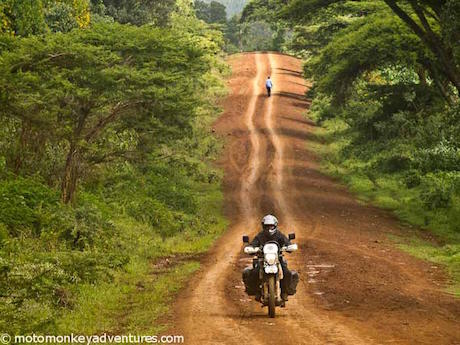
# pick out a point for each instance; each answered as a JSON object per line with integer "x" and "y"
{"x": 271, "y": 296}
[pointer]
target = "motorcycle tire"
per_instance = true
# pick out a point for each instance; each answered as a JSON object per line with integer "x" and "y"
{"x": 271, "y": 296}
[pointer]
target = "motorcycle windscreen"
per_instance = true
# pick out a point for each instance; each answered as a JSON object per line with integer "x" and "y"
{"x": 271, "y": 248}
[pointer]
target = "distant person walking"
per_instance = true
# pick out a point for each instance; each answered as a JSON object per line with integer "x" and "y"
{"x": 269, "y": 85}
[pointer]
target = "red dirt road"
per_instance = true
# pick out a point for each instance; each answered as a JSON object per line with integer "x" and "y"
{"x": 355, "y": 286}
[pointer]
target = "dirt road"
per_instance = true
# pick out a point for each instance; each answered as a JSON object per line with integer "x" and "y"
{"x": 355, "y": 287}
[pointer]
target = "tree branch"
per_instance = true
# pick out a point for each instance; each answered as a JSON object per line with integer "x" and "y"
{"x": 407, "y": 19}
{"x": 116, "y": 110}
{"x": 419, "y": 12}
{"x": 430, "y": 39}
{"x": 110, "y": 156}
{"x": 50, "y": 57}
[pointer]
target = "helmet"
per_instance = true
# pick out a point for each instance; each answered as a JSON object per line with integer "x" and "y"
{"x": 269, "y": 224}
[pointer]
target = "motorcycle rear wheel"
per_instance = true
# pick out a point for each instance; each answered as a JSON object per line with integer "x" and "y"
{"x": 271, "y": 296}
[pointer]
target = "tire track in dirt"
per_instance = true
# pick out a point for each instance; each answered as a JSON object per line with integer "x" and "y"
{"x": 305, "y": 317}
{"x": 307, "y": 326}
{"x": 253, "y": 163}
{"x": 277, "y": 162}
{"x": 208, "y": 300}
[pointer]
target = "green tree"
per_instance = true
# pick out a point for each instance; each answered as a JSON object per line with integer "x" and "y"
{"x": 214, "y": 12}
{"x": 137, "y": 12}
{"x": 202, "y": 11}
{"x": 95, "y": 95}
{"x": 31, "y": 17}
{"x": 23, "y": 17}
{"x": 363, "y": 47}
{"x": 59, "y": 17}
{"x": 434, "y": 24}
{"x": 232, "y": 34}
{"x": 217, "y": 12}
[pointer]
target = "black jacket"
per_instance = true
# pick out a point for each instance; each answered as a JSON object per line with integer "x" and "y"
{"x": 261, "y": 238}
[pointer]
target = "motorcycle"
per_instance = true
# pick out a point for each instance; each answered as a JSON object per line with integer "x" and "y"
{"x": 268, "y": 260}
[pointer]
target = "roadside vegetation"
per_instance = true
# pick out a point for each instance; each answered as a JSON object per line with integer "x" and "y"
{"x": 107, "y": 189}
{"x": 386, "y": 81}
{"x": 239, "y": 34}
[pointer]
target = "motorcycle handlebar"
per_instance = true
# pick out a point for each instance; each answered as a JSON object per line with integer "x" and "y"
{"x": 251, "y": 250}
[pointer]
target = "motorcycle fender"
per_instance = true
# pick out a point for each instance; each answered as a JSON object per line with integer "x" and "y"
{"x": 278, "y": 290}
{"x": 280, "y": 272}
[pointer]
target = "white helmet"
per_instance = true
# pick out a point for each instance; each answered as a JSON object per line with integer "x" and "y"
{"x": 270, "y": 223}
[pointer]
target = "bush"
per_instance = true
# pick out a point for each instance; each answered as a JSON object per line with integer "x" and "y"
{"x": 442, "y": 157}
{"x": 412, "y": 179}
{"x": 3, "y": 233}
{"x": 437, "y": 190}
{"x": 26, "y": 204}
{"x": 393, "y": 163}
{"x": 59, "y": 17}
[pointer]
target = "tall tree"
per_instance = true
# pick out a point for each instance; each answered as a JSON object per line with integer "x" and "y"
{"x": 434, "y": 18}
{"x": 94, "y": 95}
{"x": 434, "y": 22}
{"x": 217, "y": 12}
{"x": 213, "y": 12}
{"x": 138, "y": 12}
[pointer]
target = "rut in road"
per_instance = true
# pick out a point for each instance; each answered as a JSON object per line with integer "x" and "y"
{"x": 350, "y": 291}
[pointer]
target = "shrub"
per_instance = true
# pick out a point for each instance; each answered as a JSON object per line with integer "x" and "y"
{"x": 442, "y": 157}
{"x": 26, "y": 204}
{"x": 59, "y": 17}
{"x": 412, "y": 179}
{"x": 437, "y": 190}
{"x": 394, "y": 163}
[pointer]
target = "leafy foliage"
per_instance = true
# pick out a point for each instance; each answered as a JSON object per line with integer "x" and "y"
{"x": 105, "y": 91}
{"x": 232, "y": 7}
{"x": 136, "y": 12}
{"x": 37, "y": 17}
{"x": 104, "y": 152}
{"x": 386, "y": 91}
{"x": 214, "y": 12}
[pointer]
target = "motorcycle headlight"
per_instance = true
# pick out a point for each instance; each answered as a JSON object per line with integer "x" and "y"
{"x": 271, "y": 269}
{"x": 270, "y": 258}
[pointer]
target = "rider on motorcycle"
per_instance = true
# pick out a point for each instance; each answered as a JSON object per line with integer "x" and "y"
{"x": 270, "y": 232}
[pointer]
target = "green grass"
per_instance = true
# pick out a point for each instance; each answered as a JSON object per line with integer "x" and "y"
{"x": 388, "y": 191}
{"x": 132, "y": 303}
{"x": 447, "y": 255}
{"x": 138, "y": 295}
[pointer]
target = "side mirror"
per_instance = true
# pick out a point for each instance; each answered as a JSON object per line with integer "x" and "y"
{"x": 291, "y": 236}
{"x": 245, "y": 239}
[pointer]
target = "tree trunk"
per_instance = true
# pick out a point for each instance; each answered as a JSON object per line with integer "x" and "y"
{"x": 421, "y": 72}
{"x": 71, "y": 174}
